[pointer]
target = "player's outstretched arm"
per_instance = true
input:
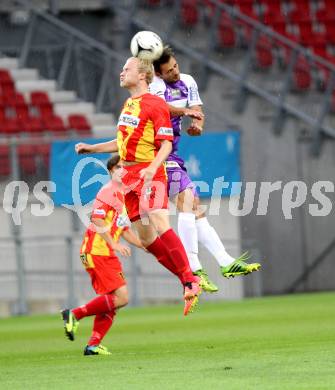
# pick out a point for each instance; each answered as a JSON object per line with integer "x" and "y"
{"x": 148, "y": 173}
{"x": 102, "y": 147}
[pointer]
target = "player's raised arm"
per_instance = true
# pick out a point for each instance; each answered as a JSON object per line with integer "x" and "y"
{"x": 102, "y": 147}
{"x": 197, "y": 124}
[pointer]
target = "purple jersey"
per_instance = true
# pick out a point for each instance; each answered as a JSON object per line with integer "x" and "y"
{"x": 182, "y": 93}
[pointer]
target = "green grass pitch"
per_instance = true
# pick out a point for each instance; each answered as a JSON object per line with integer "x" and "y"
{"x": 269, "y": 343}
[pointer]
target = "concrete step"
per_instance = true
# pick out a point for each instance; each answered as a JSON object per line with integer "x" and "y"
{"x": 24, "y": 74}
{"x": 103, "y": 119}
{"x": 27, "y": 86}
{"x": 9, "y": 63}
{"x": 63, "y": 96}
{"x": 104, "y": 131}
{"x": 65, "y": 109}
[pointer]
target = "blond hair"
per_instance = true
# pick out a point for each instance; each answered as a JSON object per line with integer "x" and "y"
{"x": 145, "y": 66}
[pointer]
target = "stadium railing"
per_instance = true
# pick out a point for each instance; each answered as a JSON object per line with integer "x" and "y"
{"x": 72, "y": 58}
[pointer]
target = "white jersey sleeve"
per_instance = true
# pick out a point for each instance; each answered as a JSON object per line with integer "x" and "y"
{"x": 157, "y": 87}
{"x": 193, "y": 98}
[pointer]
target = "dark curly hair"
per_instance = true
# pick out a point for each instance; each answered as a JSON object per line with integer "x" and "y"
{"x": 163, "y": 59}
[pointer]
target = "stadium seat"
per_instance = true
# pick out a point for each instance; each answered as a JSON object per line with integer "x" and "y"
{"x": 226, "y": 32}
{"x": 78, "y": 122}
{"x": 189, "y": 13}
{"x": 33, "y": 125}
{"x": 55, "y": 124}
{"x": 2, "y": 113}
{"x": 41, "y": 101}
{"x": 298, "y": 16}
{"x": 17, "y": 103}
{"x": 276, "y": 21}
{"x": 302, "y": 78}
{"x": 264, "y": 56}
{"x": 324, "y": 15}
{"x": 5, "y": 76}
{"x": 301, "y": 5}
{"x": 7, "y": 89}
{"x": 10, "y": 126}
{"x": 271, "y": 6}
{"x": 330, "y": 32}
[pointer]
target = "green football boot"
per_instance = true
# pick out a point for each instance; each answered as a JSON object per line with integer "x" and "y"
{"x": 70, "y": 324}
{"x": 206, "y": 284}
{"x": 96, "y": 350}
{"x": 239, "y": 267}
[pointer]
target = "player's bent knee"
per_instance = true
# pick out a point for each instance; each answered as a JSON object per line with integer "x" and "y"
{"x": 124, "y": 300}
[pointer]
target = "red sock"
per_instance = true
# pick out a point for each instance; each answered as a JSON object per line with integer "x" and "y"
{"x": 159, "y": 250}
{"x": 101, "y": 325}
{"x": 178, "y": 256}
{"x": 99, "y": 305}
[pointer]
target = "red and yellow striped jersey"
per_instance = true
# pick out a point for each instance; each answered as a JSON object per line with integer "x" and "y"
{"x": 109, "y": 206}
{"x": 143, "y": 123}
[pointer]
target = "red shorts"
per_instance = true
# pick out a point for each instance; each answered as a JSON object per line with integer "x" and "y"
{"x": 139, "y": 199}
{"x": 105, "y": 271}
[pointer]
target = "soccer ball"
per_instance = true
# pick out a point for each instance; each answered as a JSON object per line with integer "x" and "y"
{"x": 146, "y": 45}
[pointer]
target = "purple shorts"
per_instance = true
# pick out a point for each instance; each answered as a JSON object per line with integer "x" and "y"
{"x": 178, "y": 179}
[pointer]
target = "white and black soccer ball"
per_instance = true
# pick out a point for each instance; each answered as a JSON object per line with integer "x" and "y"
{"x": 146, "y": 45}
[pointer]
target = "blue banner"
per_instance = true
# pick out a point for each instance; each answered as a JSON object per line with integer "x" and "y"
{"x": 212, "y": 160}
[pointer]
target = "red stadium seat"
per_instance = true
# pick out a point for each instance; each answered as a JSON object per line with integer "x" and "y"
{"x": 300, "y": 16}
{"x": 46, "y": 111}
{"x": 2, "y": 113}
{"x": 10, "y": 126}
{"x": 302, "y": 78}
{"x": 324, "y": 15}
{"x": 264, "y": 56}
{"x": 18, "y": 104}
{"x": 5, "y": 76}
{"x": 329, "y": 5}
{"x": 55, "y": 124}
{"x": 78, "y": 122}
{"x": 330, "y": 32}
{"x": 276, "y": 21}
{"x": 271, "y": 6}
{"x": 33, "y": 125}
{"x": 39, "y": 98}
{"x": 301, "y": 5}
{"x": 8, "y": 89}
{"x": 189, "y": 13}
{"x": 226, "y": 32}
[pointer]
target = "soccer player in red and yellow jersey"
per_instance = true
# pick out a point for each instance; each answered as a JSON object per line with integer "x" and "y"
{"x": 144, "y": 141}
{"x": 97, "y": 253}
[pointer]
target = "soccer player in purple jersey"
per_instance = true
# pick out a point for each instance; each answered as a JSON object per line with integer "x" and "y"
{"x": 180, "y": 91}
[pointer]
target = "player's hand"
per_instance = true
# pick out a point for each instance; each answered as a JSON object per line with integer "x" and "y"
{"x": 147, "y": 174}
{"x": 194, "y": 114}
{"x": 122, "y": 249}
{"x": 83, "y": 148}
{"x": 194, "y": 129}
